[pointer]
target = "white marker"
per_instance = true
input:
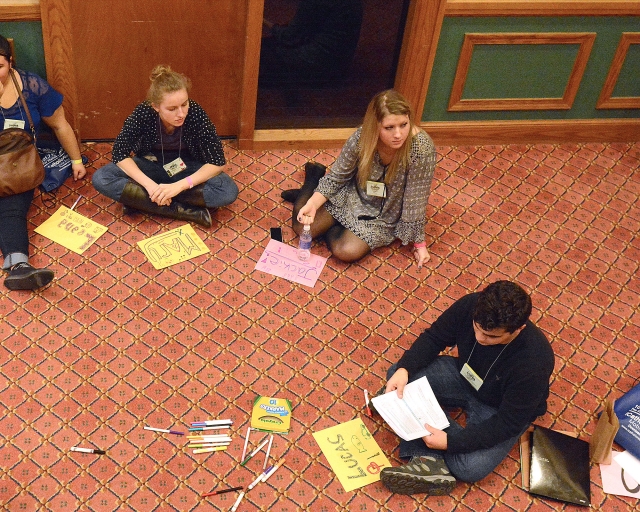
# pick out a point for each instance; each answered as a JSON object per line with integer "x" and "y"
{"x": 87, "y": 450}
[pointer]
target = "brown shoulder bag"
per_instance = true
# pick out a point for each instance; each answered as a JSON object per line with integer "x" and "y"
{"x": 20, "y": 166}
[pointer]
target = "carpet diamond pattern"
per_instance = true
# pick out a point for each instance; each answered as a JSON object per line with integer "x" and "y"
{"x": 113, "y": 345}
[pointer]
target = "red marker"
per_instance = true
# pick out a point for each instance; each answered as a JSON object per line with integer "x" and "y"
{"x": 366, "y": 402}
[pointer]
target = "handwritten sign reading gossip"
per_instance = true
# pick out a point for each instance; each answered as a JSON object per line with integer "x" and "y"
{"x": 173, "y": 247}
{"x": 282, "y": 260}
{"x": 353, "y": 453}
{"x": 71, "y": 230}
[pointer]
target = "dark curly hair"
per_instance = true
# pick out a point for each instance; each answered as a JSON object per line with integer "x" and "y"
{"x": 5, "y": 48}
{"x": 502, "y": 305}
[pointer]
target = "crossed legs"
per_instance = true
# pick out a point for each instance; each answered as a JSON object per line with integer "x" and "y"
{"x": 342, "y": 243}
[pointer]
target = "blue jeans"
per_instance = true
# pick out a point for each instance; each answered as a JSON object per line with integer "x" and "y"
{"x": 14, "y": 239}
{"x": 218, "y": 191}
{"x": 452, "y": 390}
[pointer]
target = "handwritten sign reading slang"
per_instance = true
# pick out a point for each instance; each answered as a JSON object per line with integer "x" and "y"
{"x": 173, "y": 247}
{"x": 282, "y": 260}
{"x": 71, "y": 230}
{"x": 352, "y": 453}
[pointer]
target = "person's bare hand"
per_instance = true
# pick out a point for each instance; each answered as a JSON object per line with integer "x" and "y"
{"x": 437, "y": 440}
{"x": 422, "y": 255}
{"x": 78, "y": 171}
{"x": 398, "y": 381}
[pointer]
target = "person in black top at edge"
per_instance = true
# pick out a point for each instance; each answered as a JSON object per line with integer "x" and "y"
{"x": 500, "y": 379}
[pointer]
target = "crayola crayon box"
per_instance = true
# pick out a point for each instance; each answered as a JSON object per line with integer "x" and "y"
{"x": 271, "y": 414}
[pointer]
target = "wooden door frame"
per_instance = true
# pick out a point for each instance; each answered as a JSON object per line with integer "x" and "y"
{"x": 421, "y": 34}
{"x": 58, "y": 55}
{"x": 419, "y": 45}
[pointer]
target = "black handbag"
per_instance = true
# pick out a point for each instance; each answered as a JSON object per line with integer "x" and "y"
{"x": 20, "y": 166}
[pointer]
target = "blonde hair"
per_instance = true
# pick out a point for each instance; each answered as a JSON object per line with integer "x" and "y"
{"x": 163, "y": 81}
{"x": 385, "y": 103}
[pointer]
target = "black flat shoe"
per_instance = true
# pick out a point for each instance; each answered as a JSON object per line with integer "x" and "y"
{"x": 291, "y": 195}
{"x": 25, "y": 277}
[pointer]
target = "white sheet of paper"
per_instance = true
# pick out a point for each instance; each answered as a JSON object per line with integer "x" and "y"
{"x": 630, "y": 464}
{"x": 612, "y": 480}
{"x": 418, "y": 406}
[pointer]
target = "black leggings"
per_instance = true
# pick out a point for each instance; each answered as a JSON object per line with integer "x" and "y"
{"x": 342, "y": 243}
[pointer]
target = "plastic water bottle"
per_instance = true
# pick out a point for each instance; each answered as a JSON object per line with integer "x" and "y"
{"x": 304, "y": 244}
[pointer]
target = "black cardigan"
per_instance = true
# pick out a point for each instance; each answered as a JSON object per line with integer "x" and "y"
{"x": 141, "y": 133}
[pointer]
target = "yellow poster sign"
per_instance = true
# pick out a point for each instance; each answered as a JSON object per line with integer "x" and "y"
{"x": 71, "y": 230}
{"x": 173, "y": 247}
{"x": 353, "y": 453}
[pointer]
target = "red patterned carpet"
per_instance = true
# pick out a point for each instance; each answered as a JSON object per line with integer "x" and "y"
{"x": 113, "y": 345}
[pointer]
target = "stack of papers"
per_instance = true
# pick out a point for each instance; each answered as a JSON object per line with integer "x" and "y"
{"x": 407, "y": 416}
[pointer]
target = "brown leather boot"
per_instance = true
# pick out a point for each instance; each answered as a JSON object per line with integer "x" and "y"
{"x": 136, "y": 197}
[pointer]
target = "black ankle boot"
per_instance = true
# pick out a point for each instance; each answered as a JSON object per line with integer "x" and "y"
{"x": 136, "y": 197}
{"x": 313, "y": 171}
{"x": 291, "y": 195}
{"x": 23, "y": 276}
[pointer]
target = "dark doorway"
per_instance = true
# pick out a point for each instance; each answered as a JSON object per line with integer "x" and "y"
{"x": 335, "y": 93}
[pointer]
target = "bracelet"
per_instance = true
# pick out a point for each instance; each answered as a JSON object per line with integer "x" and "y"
{"x": 420, "y": 245}
{"x": 78, "y": 161}
{"x": 188, "y": 178}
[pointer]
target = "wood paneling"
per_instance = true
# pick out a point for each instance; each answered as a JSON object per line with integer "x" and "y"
{"x": 115, "y": 45}
{"x": 605, "y": 100}
{"x": 251, "y": 67}
{"x": 543, "y": 8}
{"x": 58, "y": 54}
{"x": 457, "y": 104}
{"x": 20, "y": 10}
{"x": 529, "y": 132}
{"x": 311, "y": 138}
{"x": 419, "y": 45}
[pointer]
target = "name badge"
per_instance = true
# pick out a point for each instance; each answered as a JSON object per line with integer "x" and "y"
{"x": 376, "y": 188}
{"x": 471, "y": 377}
{"x": 175, "y": 167}
{"x": 14, "y": 123}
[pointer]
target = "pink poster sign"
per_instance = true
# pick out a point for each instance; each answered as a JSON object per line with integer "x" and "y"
{"x": 282, "y": 260}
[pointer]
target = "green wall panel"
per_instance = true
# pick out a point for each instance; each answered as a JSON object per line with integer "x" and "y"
{"x": 490, "y": 80}
{"x": 29, "y": 47}
{"x": 628, "y": 83}
{"x": 527, "y": 71}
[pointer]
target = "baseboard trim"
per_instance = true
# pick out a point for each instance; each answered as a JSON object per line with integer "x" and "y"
{"x": 464, "y": 133}
{"x": 529, "y": 132}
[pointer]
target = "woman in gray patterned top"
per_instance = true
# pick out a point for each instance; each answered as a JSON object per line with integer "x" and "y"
{"x": 378, "y": 188}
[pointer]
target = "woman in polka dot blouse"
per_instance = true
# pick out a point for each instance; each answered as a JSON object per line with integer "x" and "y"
{"x": 378, "y": 188}
{"x": 168, "y": 159}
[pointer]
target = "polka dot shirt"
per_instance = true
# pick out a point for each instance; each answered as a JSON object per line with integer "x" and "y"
{"x": 141, "y": 132}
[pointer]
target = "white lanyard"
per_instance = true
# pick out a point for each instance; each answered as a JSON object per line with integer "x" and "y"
{"x": 471, "y": 376}
{"x": 13, "y": 123}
